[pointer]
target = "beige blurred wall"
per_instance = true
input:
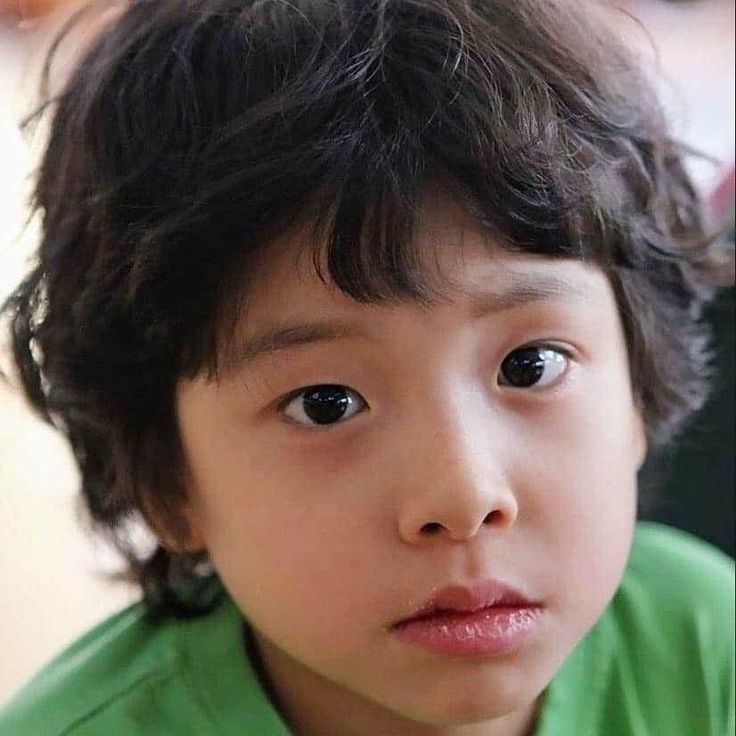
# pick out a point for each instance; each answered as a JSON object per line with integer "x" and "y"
{"x": 49, "y": 584}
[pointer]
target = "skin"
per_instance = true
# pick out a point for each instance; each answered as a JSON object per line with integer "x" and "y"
{"x": 321, "y": 534}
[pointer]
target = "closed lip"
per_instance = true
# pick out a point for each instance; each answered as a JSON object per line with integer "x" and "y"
{"x": 469, "y": 598}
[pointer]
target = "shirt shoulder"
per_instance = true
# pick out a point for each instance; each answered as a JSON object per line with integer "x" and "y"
{"x": 679, "y": 581}
{"x": 672, "y": 624}
{"x": 106, "y": 666}
{"x": 131, "y": 676}
{"x": 662, "y": 555}
{"x": 660, "y": 660}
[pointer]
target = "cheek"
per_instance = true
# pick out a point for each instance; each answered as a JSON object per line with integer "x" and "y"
{"x": 586, "y": 457}
{"x": 282, "y": 545}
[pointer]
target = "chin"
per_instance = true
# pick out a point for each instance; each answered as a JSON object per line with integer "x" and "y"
{"x": 460, "y": 714}
{"x": 464, "y": 705}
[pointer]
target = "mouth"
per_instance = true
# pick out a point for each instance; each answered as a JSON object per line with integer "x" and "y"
{"x": 488, "y": 619}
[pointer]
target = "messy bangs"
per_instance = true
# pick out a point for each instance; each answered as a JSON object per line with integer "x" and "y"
{"x": 255, "y": 115}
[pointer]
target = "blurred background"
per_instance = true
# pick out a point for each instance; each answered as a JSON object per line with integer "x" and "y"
{"x": 49, "y": 566}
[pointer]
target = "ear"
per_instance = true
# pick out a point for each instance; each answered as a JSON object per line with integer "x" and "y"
{"x": 639, "y": 437}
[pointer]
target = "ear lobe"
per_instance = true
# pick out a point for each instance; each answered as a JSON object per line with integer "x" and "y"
{"x": 640, "y": 439}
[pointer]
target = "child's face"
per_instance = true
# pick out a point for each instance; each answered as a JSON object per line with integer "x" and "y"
{"x": 326, "y": 537}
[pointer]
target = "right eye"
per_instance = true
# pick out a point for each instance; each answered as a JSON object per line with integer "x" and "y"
{"x": 322, "y": 405}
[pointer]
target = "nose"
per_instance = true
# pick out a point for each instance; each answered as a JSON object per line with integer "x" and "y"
{"x": 462, "y": 487}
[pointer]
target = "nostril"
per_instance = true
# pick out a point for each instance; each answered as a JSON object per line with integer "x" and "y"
{"x": 432, "y": 527}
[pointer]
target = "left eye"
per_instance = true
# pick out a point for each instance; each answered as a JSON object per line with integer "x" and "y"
{"x": 534, "y": 366}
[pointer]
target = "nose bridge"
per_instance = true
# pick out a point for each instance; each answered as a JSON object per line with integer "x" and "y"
{"x": 459, "y": 436}
{"x": 462, "y": 485}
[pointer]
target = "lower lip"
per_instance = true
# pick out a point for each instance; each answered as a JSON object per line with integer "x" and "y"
{"x": 489, "y": 631}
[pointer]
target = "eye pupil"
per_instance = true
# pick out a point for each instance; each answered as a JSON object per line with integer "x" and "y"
{"x": 523, "y": 367}
{"x": 325, "y": 404}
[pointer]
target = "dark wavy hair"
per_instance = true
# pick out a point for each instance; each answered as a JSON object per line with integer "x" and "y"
{"x": 192, "y": 133}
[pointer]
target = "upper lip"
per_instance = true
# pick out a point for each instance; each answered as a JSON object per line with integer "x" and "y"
{"x": 468, "y": 598}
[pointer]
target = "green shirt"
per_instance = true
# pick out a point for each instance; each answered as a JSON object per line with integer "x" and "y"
{"x": 659, "y": 661}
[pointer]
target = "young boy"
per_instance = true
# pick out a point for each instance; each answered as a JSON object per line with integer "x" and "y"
{"x": 372, "y": 309}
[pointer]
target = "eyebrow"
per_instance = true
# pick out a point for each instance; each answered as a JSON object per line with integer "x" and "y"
{"x": 521, "y": 290}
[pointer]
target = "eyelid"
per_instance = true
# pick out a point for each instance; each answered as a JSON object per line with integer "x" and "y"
{"x": 560, "y": 347}
{"x": 563, "y": 348}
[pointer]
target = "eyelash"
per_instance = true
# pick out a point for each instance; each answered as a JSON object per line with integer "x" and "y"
{"x": 565, "y": 354}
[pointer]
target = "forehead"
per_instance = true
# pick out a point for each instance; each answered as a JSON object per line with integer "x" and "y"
{"x": 290, "y": 303}
{"x": 460, "y": 261}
